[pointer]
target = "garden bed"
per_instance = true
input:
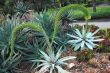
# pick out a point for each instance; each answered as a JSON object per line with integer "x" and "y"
{"x": 94, "y": 65}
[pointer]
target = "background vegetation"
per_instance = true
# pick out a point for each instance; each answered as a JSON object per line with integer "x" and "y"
{"x": 37, "y": 31}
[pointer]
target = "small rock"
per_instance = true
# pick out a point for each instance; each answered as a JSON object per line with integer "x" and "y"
{"x": 71, "y": 65}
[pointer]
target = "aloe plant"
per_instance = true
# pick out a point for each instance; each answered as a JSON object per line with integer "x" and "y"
{"x": 84, "y": 39}
{"x": 40, "y": 28}
{"x": 52, "y": 62}
{"x": 64, "y": 10}
{"x": 49, "y": 39}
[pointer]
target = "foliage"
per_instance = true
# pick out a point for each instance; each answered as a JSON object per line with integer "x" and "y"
{"x": 46, "y": 21}
{"x": 84, "y": 39}
{"x": 104, "y": 45}
{"x": 6, "y": 65}
{"x": 85, "y": 55}
{"x": 52, "y": 62}
{"x": 21, "y": 7}
{"x": 102, "y": 12}
{"x": 63, "y": 11}
{"x": 8, "y": 7}
{"x": 41, "y": 29}
{"x": 20, "y": 27}
{"x": 5, "y": 32}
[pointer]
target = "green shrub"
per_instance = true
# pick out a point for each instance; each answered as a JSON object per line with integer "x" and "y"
{"x": 85, "y": 55}
{"x": 102, "y": 12}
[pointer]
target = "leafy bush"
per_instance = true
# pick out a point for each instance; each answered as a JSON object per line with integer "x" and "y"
{"x": 102, "y": 12}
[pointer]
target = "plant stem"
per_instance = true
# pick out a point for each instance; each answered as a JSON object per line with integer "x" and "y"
{"x": 48, "y": 42}
{"x": 106, "y": 32}
{"x": 86, "y": 25}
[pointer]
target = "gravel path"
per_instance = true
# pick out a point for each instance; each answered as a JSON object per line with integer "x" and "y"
{"x": 102, "y": 23}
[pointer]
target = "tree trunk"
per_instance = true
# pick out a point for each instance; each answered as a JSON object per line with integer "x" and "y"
{"x": 94, "y": 6}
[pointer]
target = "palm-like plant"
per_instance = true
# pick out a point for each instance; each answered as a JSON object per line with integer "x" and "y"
{"x": 52, "y": 62}
{"x": 84, "y": 39}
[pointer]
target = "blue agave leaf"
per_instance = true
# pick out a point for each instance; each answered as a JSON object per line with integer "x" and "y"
{"x": 82, "y": 44}
{"x": 93, "y": 44}
{"x": 88, "y": 35}
{"x": 73, "y": 36}
{"x": 77, "y": 47}
{"x": 45, "y": 56}
{"x": 89, "y": 46}
{"x": 44, "y": 68}
{"x": 97, "y": 40}
{"x": 78, "y": 33}
{"x": 95, "y": 32}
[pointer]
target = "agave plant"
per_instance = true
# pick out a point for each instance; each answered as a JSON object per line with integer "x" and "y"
{"x": 83, "y": 39}
{"x": 21, "y": 7}
{"x": 52, "y": 62}
{"x": 6, "y": 65}
{"x": 46, "y": 21}
{"x": 5, "y": 32}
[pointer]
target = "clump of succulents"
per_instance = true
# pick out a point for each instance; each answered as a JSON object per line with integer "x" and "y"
{"x": 84, "y": 39}
{"x": 52, "y": 62}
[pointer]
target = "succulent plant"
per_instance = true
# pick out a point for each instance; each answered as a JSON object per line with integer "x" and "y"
{"x": 21, "y": 7}
{"x": 5, "y": 32}
{"x": 84, "y": 39}
{"x": 52, "y": 62}
{"x": 6, "y": 65}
